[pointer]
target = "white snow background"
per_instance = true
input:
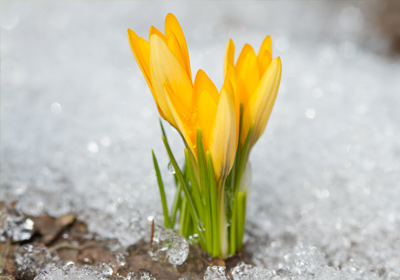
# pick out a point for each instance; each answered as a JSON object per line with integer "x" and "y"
{"x": 78, "y": 124}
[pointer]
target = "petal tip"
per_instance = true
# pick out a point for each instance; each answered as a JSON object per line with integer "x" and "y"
{"x": 170, "y": 16}
{"x": 132, "y": 33}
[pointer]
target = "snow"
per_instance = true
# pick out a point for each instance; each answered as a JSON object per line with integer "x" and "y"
{"x": 78, "y": 125}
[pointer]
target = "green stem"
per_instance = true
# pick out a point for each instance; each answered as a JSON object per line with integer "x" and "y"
{"x": 214, "y": 210}
{"x": 183, "y": 218}
{"x": 234, "y": 226}
{"x": 223, "y": 231}
{"x": 213, "y": 207}
{"x": 240, "y": 220}
{"x": 208, "y": 217}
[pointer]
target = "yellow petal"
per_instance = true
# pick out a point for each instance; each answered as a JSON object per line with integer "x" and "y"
{"x": 172, "y": 27}
{"x": 261, "y": 102}
{"x": 166, "y": 69}
{"x": 141, "y": 51}
{"x": 230, "y": 77}
{"x": 174, "y": 47}
{"x": 264, "y": 60}
{"x": 207, "y": 97}
{"x": 264, "y": 56}
{"x": 157, "y": 32}
{"x": 266, "y": 45}
{"x": 248, "y": 75}
{"x": 207, "y": 113}
{"x": 229, "y": 56}
{"x": 179, "y": 113}
{"x": 145, "y": 52}
{"x": 222, "y": 141}
{"x": 268, "y": 109}
{"x": 203, "y": 82}
{"x": 243, "y": 54}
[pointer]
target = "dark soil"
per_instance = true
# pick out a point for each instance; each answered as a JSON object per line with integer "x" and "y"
{"x": 69, "y": 238}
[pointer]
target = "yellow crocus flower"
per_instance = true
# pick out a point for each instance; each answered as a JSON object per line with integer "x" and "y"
{"x": 256, "y": 80}
{"x": 164, "y": 61}
{"x": 176, "y": 43}
{"x": 246, "y": 97}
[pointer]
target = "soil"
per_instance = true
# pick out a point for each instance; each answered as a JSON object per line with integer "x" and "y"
{"x": 69, "y": 237}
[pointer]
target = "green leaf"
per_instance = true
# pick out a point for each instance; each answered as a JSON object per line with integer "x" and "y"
{"x": 194, "y": 184}
{"x": 244, "y": 153}
{"x": 167, "y": 223}
{"x": 177, "y": 204}
{"x": 163, "y": 130}
{"x": 214, "y": 206}
{"x": 233, "y": 227}
{"x": 182, "y": 181}
{"x": 241, "y": 216}
{"x": 184, "y": 218}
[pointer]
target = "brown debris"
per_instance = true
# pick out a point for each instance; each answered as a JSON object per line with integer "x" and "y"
{"x": 49, "y": 228}
{"x": 72, "y": 241}
{"x": 7, "y": 266}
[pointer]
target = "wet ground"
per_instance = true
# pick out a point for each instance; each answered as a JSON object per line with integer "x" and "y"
{"x": 66, "y": 242}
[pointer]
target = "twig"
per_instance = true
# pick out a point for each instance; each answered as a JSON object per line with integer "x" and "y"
{"x": 67, "y": 245}
{"x": 152, "y": 234}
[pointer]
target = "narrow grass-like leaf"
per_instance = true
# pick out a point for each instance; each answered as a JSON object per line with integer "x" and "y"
{"x": 181, "y": 179}
{"x": 176, "y": 204}
{"x": 167, "y": 222}
{"x": 214, "y": 206}
{"x": 202, "y": 162}
{"x": 194, "y": 184}
{"x": 207, "y": 218}
{"x": 183, "y": 218}
{"x": 204, "y": 187}
{"x": 163, "y": 130}
{"x": 165, "y": 135}
{"x": 177, "y": 199}
{"x": 244, "y": 153}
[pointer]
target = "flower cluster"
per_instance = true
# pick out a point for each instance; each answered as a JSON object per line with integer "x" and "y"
{"x": 219, "y": 128}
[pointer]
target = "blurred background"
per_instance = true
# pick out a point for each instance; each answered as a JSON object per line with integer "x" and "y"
{"x": 78, "y": 121}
